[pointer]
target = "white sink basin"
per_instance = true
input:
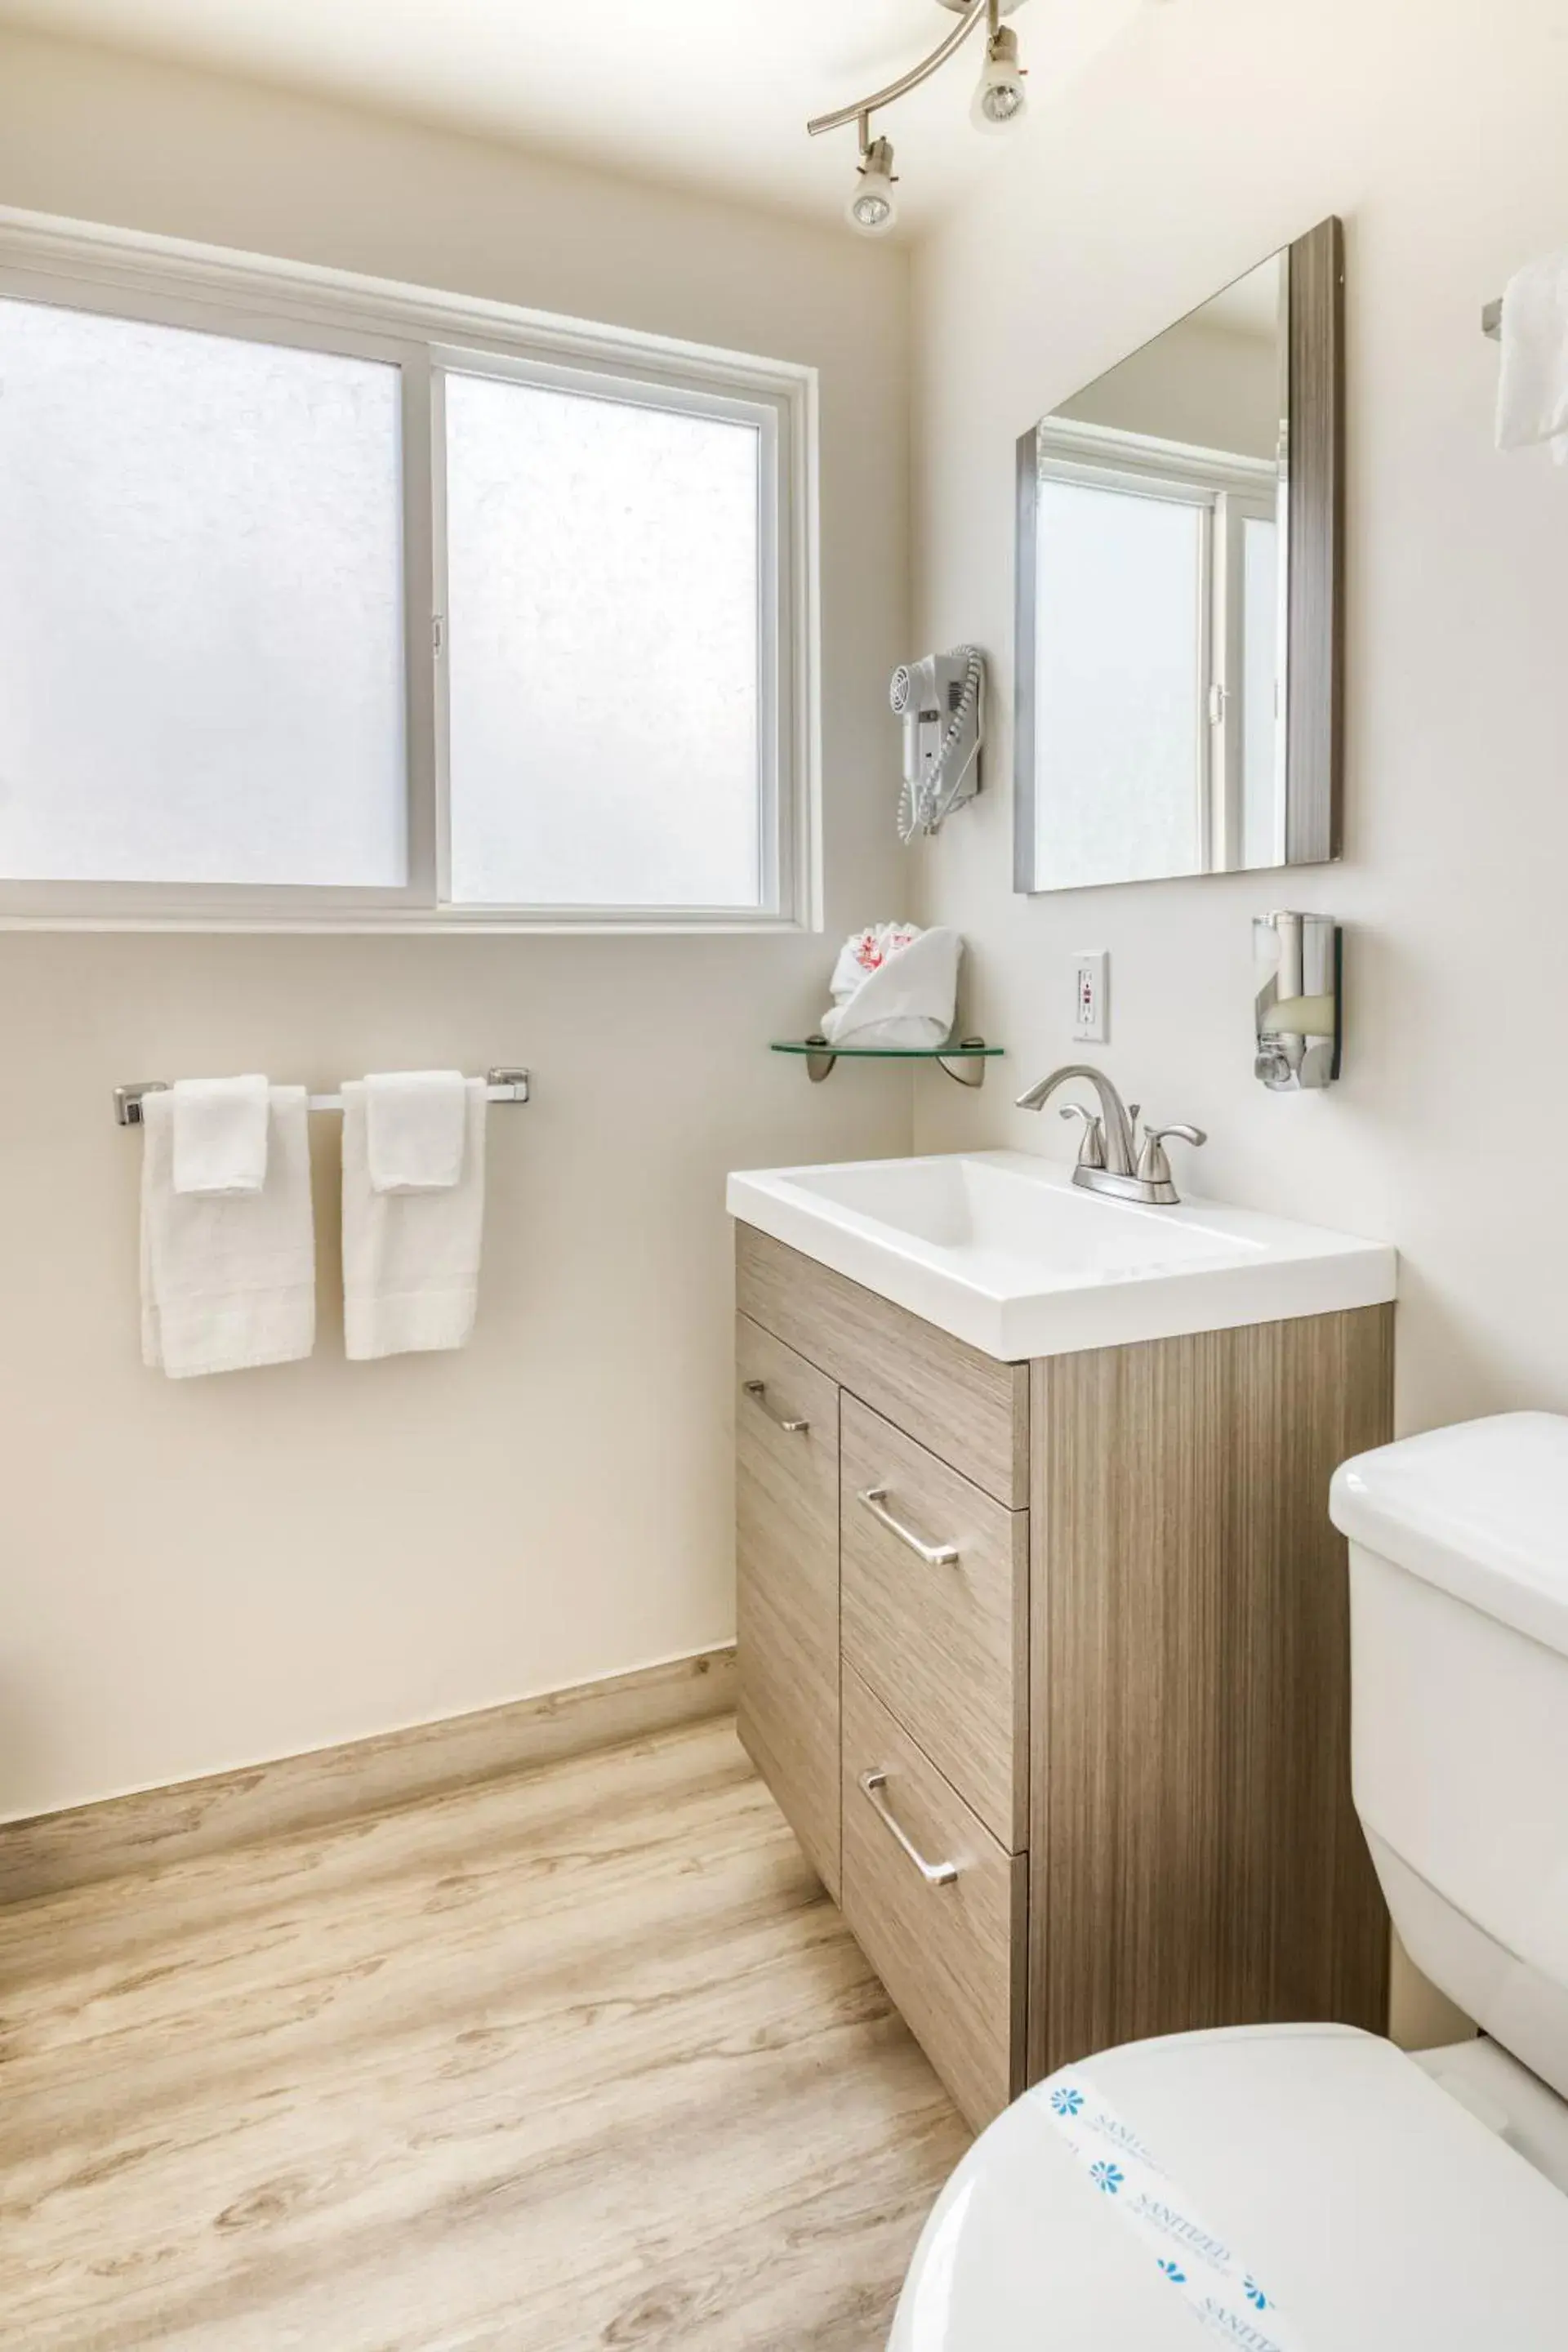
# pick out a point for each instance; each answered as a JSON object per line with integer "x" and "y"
{"x": 1003, "y": 1251}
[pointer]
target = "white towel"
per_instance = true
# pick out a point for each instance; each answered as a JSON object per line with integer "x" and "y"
{"x": 895, "y": 986}
{"x": 1533, "y": 392}
{"x": 220, "y": 1135}
{"x": 411, "y": 1260}
{"x": 228, "y": 1281}
{"x": 415, "y": 1122}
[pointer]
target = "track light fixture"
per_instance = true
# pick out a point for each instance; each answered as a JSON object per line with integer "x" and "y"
{"x": 872, "y": 207}
{"x": 999, "y": 95}
{"x": 998, "y": 102}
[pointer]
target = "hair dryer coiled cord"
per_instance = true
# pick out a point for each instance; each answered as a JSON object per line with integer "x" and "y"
{"x": 922, "y": 807}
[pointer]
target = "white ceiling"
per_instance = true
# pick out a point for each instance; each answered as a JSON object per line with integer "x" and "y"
{"x": 706, "y": 93}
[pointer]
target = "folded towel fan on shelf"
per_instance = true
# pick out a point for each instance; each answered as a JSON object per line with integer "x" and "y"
{"x": 895, "y": 985}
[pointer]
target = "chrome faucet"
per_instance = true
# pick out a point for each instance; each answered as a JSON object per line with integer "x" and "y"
{"x": 1110, "y": 1158}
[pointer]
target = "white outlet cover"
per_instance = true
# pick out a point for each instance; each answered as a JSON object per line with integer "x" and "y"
{"x": 1091, "y": 996}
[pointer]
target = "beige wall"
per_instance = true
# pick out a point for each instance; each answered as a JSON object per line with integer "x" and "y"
{"x": 205, "y": 1573}
{"x": 1437, "y": 133}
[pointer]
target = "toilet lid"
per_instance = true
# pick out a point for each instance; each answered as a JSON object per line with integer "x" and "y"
{"x": 1366, "y": 2210}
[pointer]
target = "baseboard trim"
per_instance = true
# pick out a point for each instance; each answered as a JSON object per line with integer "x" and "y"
{"x": 50, "y": 1852}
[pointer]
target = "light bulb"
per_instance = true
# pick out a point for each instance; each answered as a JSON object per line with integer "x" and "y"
{"x": 872, "y": 207}
{"x": 1000, "y": 97}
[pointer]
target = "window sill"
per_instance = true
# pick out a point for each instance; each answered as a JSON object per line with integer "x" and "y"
{"x": 395, "y": 924}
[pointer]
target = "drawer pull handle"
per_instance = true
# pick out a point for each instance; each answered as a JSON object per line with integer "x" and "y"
{"x": 759, "y": 1388}
{"x": 874, "y": 1498}
{"x": 935, "y": 1873}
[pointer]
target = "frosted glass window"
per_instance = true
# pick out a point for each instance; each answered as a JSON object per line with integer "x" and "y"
{"x": 603, "y": 673}
{"x": 1118, "y": 655}
{"x": 201, "y": 607}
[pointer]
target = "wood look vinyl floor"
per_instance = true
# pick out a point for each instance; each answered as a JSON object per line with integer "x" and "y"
{"x": 582, "y": 2058}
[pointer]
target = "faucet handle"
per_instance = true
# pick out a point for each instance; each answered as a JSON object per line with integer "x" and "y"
{"x": 1153, "y": 1167}
{"x": 1091, "y": 1149}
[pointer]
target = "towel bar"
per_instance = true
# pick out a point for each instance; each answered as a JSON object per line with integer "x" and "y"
{"x": 501, "y": 1086}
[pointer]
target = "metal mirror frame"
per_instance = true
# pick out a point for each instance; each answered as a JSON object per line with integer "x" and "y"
{"x": 1314, "y": 691}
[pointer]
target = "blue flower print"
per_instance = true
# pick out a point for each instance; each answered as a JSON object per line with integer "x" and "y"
{"x": 1107, "y": 2175}
{"x": 1174, "y": 2273}
{"x": 1255, "y": 2294}
{"x": 1067, "y": 2102}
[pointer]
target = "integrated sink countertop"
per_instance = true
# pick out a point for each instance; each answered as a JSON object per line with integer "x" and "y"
{"x": 1002, "y": 1250}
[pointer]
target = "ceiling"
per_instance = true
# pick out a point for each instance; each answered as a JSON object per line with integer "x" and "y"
{"x": 711, "y": 94}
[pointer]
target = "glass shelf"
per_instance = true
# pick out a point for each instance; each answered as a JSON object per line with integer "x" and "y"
{"x": 963, "y": 1058}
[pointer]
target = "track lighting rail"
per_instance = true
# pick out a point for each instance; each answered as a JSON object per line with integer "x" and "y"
{"x": 864, "y": 107}
{"x": 998, "y": 102}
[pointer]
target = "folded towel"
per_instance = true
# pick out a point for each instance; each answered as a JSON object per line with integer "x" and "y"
{"x": 228, "y": 1281}
{"x": 1533, "y": 392}
{"x": 895, "y": 986}
{"x": 411, "y": 1260}
{"x": 220, "y": 1135}
{"x": 415, "y": 1124}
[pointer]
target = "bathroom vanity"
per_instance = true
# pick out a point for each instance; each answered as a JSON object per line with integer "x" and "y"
{"x": 1042, "y": 1621}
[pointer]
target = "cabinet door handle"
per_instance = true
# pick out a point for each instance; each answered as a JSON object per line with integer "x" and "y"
{"x": 759, "y": 1388}
{"x": 935, "y": 1873}
{"x": 875, "y": 1499}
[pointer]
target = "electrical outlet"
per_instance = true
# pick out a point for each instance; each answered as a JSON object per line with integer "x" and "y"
{"x": 1091, "y": 996}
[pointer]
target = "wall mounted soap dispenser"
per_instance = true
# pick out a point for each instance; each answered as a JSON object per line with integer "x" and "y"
{"x": 1299, "y": 962}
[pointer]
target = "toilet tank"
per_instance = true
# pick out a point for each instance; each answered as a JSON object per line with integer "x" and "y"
{"x": 1459, "y": 1552}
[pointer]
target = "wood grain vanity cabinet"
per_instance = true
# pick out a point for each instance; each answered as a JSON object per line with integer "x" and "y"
{"x": 1048, "y": 1665}
{"x": 786, "y": 1615}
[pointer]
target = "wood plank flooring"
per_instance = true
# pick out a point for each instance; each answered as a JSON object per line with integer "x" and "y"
{"x": 580, "y": 2058}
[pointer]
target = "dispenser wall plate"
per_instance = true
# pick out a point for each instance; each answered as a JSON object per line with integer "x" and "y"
{"x": 1298, "y": 960}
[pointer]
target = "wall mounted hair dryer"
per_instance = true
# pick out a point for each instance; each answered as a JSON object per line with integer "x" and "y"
{"x": 941, "y": 701}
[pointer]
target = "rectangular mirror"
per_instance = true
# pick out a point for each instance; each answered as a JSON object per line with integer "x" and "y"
{"x": 1179, "y": 599}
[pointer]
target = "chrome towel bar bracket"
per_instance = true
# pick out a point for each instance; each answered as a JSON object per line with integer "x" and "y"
{"x": 501, "y": 1086}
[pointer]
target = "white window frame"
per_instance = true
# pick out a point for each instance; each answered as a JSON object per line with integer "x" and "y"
{"x": 1226, "y": 487}
{"x": 1257, "y": 501}
{"x": 429, "y": 335}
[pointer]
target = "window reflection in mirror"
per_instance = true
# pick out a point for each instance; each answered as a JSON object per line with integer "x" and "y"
{"x": 1153, "y": 607}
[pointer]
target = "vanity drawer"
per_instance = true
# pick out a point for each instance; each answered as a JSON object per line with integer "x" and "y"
{"x": 948, "y": 1949}
{"x": 786, "y": 1585}
{"x": 967, "y": 1407}
{"x": 935, "y": 1612}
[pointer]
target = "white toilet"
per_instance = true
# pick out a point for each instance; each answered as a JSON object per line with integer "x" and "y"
{"x": 1311, "y": 2188}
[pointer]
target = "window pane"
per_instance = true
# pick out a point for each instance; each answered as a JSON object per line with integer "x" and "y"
{"x": 201, "y": 606}
{"x": 1119, "y": 646}
{"x": 603, "y": 670}
{"x": 1263, "y": 799}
